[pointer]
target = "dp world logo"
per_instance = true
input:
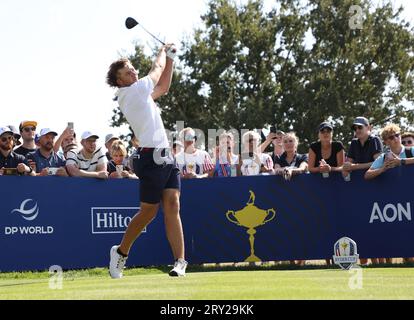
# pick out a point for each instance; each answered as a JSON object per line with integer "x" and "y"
{"x": 27, "y": 210}
{"x": 345, "y": 253}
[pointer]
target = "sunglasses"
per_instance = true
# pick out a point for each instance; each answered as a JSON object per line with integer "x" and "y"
{"x": 397, "y": 135}
{"x": 5, "y": 139}
{"x": 288, "y": 141}
{"x": 407, "y": 143}
{"x": 28, "y": 129}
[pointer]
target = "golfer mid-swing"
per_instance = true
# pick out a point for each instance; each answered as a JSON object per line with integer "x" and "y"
{"x": 153, "y": 163}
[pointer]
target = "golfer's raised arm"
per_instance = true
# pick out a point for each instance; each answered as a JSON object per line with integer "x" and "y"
{"x": 164, "y": 82}
{"x": 158, "y": 66}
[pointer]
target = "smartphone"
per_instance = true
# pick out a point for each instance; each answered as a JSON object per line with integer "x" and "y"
{"x": 273, "y": 129}
{"x": 70, "y": 125}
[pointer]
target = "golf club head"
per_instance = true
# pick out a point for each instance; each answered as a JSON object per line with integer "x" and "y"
{"x": 130, "y": 23}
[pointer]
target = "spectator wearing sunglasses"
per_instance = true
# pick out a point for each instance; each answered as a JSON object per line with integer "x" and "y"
{"x": 28, "y": 132}
{"x": 193, "y": 163}
{"x": 407, "y": 139}
{"x": 291, "y": 162}
{"x": 11, "y": 163}
{"x": 326, "y": 155}
{"x": 364, "y": 149}
{"x": 396, "y": 156}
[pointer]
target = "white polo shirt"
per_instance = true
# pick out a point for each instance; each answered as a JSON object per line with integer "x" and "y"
{"x": 142, "y": 114}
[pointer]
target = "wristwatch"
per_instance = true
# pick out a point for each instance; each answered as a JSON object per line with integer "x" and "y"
{"x": 403, "y": 162}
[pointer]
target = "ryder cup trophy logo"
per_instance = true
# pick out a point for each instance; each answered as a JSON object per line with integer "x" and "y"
{"x": 345, "y": 253}
{"x": 251, "y": 217}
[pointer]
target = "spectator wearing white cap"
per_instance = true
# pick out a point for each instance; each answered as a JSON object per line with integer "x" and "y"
{"x": 11, "y": 162}
{"x": 16, "y": 135}
{"x": 47, "y": 162}
{"x": 27, "y": 131}
{"x": 89, "y": 162}
{"x": 109, "y": 140}
{"x": 193, "y": 162}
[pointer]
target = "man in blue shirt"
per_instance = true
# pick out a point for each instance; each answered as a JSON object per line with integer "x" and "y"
{"x": 364, "y": 149}
{"x": 11, "y": 163}
{"x": 46, "y": 160}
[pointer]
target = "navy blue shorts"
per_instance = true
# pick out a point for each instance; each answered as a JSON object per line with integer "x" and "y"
{"x": 154, "y": 177}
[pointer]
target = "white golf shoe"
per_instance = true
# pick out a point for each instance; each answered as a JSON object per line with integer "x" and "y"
{"x": 117, "y": 263}
{"x": 179, "y": 268}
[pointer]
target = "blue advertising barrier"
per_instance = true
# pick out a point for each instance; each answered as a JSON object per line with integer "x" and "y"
{"x": 73, "y": 222}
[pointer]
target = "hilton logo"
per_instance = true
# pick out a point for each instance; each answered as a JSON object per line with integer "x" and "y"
{"x": 111, "y": 220}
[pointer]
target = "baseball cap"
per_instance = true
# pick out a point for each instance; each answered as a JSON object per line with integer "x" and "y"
{"x": 109, "y": 137}
{"x": 361, "y": 121}
{"x": 27, "y": 123}
{"x": 46, "y": 131}
{"x": 16, "y": 134}
{"x": 88, "y": 134}
{"x": 4, "y": 130}
{"x": 325, "y": 125}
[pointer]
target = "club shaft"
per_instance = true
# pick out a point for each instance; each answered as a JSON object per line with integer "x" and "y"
{"x": 163, "y": 43}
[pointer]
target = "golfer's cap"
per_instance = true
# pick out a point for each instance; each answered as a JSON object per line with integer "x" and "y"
{"x": 325, "y": 125}
{"x": 110, "y": 137}
{"x": 4, "y": 130}
{"x": 361, "y": 121}
{"x": 27, "y": 123}
{"x": 46, "y": 131}
{"x": 88, "y": 134}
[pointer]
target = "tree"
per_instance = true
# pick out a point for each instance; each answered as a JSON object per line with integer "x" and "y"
{"x": 295, "y": 66}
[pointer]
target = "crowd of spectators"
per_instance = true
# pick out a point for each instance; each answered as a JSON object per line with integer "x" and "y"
{"x": 29, "y": 151}
{"x": 32, "y": 152}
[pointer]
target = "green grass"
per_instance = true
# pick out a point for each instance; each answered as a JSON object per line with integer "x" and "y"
{"x": 154, "y": 284}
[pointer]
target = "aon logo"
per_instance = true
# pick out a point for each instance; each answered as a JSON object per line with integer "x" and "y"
{"x": 390, "y": 213}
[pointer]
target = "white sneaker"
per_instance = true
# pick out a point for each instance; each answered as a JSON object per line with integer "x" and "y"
{"x": 179, "y": 268}
{"x": 117, "y": 263}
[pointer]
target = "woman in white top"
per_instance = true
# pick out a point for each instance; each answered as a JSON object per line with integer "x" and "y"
{"x": 256, "y": 162}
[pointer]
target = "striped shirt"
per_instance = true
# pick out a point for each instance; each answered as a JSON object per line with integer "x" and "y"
{"x": 75, "y": 157}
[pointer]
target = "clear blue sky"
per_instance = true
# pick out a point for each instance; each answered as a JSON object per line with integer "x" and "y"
{"x": 55, "y": 53}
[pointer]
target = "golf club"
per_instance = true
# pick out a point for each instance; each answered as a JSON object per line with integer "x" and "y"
{"x": 131, "y": 23}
